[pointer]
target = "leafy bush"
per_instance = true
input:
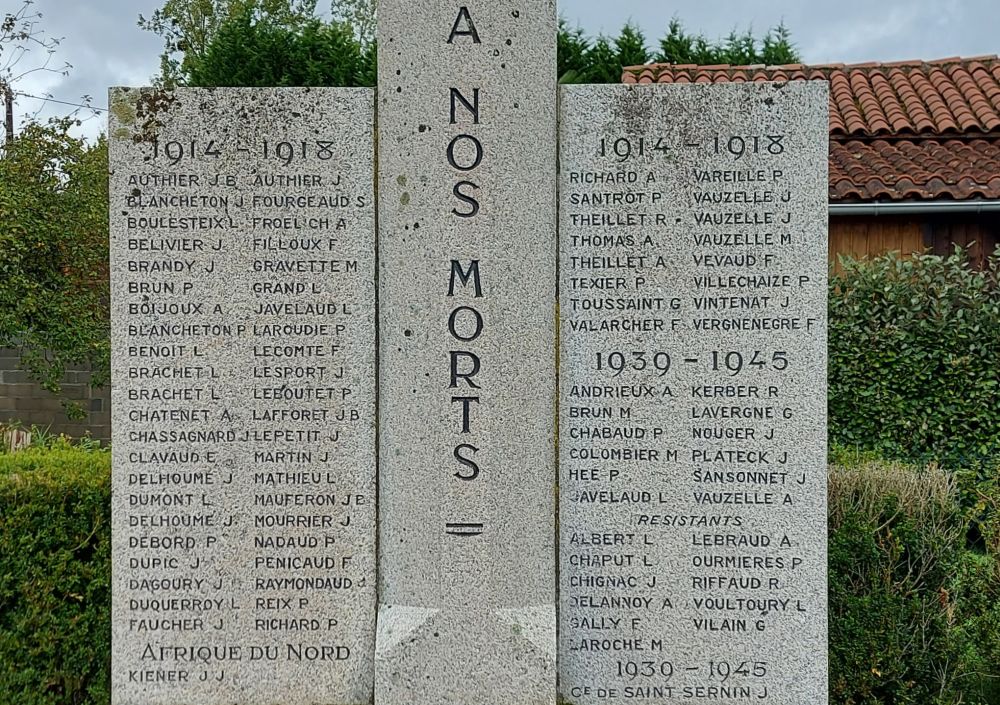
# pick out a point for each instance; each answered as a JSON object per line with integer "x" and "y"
{"x": 55, "y": 576}
{"x": 54, "y": 254}
{"x": 914, "y": 614}
{"x": 252, "y": 51}
{"x": 915, "y": 359}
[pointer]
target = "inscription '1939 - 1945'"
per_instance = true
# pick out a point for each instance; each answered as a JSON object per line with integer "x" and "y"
{"x": 692, "y": 427}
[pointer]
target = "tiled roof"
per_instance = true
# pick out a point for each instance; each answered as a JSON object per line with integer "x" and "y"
{"x": 914, "y": 169}
{"x": 909, "y": 130}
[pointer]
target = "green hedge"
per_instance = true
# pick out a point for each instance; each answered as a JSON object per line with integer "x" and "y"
{"x": 914, "y": 613}
{"x": 915, "y": 359}
{"x": 55, "y": 577}
{"x": 914, "y": 579}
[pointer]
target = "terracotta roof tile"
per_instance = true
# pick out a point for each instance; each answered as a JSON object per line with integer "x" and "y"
{"x": 944, "y": 96}
{"x": 899, "y": 131}
{"x": 921, "y": 169}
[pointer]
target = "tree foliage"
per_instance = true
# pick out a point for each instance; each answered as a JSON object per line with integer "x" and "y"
{"x": 281, "y": 42}
{"x": 25, "y": 49}
{"x": 23, "y": 42}
{"x": 583, "y": 59}
{"x": 188, "y": 27}
{"x": 737, "y": 49}
{"x": 253, "y": 51}
{"x": 54, "y": 253}
{"x": 360, "y": 15}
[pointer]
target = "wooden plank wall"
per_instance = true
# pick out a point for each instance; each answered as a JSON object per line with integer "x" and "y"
{"x": 980, "y": 235}
{"x": 870, "y": 236}
{"x": 861, "y": 237}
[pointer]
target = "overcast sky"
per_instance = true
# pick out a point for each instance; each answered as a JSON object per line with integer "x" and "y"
{"x": 105, "y": 46}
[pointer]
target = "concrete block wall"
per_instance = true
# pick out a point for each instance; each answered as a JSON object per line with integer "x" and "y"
{"x": 25, "y": 401}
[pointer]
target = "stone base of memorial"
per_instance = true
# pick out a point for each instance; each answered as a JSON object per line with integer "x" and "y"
{"x": 453, "y": 657}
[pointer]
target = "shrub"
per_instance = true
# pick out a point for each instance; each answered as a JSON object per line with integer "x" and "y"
{"x": 915, "y": 358}
{"x": 251, "y": 51}
{"x": 54, "y": 255}
{"x": 914, "y": 614}
{"x": 55, "y": 576}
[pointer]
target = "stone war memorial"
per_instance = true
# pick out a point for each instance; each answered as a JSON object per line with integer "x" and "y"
{"x": 693, "y": 405}
{"x": 243, "y": 396}
{"x": 469, "y": 388}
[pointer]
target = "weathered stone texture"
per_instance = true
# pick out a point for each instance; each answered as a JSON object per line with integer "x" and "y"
{"x": 467, "y": 370}
{"x": 243, "y": 337}
{"x": 693, "y": 235}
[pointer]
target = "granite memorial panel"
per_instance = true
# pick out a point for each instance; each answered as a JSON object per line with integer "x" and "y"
{"x": 693, "y": 285}
{"x": 243, "y": 338}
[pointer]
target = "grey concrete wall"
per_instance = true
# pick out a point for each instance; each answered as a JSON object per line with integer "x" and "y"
{"x": 25, "y": 401}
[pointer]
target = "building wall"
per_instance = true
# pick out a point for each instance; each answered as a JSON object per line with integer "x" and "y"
{"x": 26, "y": 402}
{"x": 869, "y": 236}
{"x": 980, "y": 233}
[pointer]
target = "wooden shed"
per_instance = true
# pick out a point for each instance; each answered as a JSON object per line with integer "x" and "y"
{"x": 914, "y": 149}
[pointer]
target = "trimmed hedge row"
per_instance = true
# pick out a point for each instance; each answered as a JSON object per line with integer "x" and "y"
{"x": 55, "y": 577}
{"x": 914, "y": 614}
{"x": 915, "y": 359}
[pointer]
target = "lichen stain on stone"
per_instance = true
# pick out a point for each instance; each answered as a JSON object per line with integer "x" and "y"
{"x": 405, "y": 198}
{"x": 401, "y": 180}
{"x": 151, "y": 103}
{"x": 632, "y": 110}
{"x": 123, "y": 110}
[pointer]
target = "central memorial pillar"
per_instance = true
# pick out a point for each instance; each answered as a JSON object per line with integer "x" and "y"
{"x": 467, "y": 239}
